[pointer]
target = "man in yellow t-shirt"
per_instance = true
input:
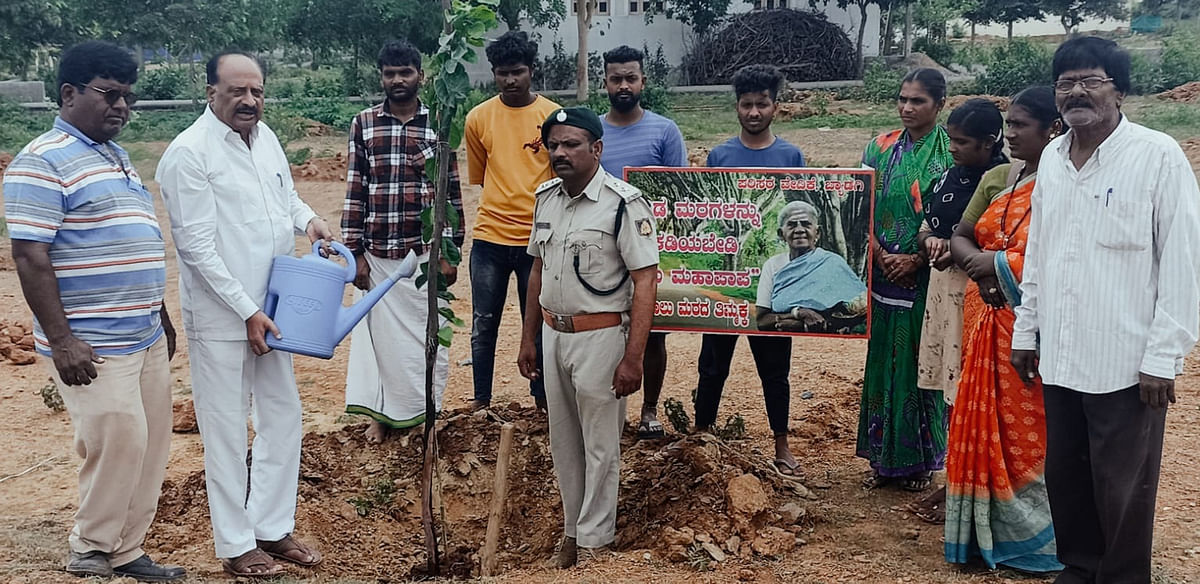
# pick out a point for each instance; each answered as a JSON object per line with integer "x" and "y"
{"x": 506, "y": 156}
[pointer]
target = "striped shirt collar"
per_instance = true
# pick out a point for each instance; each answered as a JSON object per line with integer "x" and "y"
{"x": 64, "y": 126}
{"x": 1112, "y": 142}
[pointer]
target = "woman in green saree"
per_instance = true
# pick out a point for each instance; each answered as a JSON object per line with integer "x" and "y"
{"x": 902, "y": 429}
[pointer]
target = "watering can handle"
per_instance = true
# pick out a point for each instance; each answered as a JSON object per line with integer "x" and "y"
{"x": 351, "y": 265}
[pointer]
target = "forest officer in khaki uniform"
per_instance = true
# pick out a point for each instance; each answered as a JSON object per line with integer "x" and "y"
{"x": 592, "y": 290}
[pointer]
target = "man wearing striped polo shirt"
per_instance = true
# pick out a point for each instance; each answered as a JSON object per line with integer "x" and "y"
{"x": 634, "y": 136}
{"x": 89, "y": 255}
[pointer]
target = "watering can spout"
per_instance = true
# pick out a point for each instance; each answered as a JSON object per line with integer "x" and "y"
{"x": 349, "y": 316}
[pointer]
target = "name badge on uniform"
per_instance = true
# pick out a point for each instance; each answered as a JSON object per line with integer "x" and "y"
{"x": 645, "y": 229}
{"x": 542, "y": 225}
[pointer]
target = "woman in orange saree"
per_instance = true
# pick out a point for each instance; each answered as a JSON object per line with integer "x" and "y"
{"x": 996, "y": 503}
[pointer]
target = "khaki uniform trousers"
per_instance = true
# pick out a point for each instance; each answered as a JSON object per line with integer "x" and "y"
{"x": 586, "y": 420}
{"x": 122, "y": 425}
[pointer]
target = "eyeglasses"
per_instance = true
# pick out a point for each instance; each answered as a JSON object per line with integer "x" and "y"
{"x": 112, "y": 95}
{"x": 1088, "y": 83}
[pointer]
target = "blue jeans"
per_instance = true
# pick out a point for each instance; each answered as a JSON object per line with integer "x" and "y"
{"x": 491, "y": 266}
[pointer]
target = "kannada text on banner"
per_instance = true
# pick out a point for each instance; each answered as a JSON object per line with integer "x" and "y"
{"x": 761, "y": 250}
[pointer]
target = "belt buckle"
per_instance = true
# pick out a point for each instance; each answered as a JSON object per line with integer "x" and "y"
{"x": 564, "y": 323}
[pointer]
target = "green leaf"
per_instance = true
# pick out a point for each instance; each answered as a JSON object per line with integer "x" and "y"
{"x": 445, "y": 335}
{"x": 452, "y": 215}
{"x": 450, "y": 252}
{"x": 421, "y": 280}
{"x": 431, "y": 171}
{"x": 448, "y": 314}
{"x": 456, "y": 135}
{"x": 447, "y": 295}
{"x": 427, "y": 224}
{"x": 458, "y": 84}
{"x": 442, "y": 89}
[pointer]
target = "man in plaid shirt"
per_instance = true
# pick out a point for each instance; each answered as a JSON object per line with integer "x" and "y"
{"x": 386, "y": 191}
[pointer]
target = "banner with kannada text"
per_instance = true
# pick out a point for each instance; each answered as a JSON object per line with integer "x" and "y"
{"x": 761, "y": 250}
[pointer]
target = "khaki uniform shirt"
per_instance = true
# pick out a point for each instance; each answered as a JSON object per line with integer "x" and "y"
{"x": 565, "y": 226}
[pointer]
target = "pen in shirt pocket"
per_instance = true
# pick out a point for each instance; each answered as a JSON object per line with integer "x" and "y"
{"x": 279, "y": 176}
{"x": 1107, "y": 196}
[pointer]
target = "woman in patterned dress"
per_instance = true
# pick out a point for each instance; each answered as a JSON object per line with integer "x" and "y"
{"x": 901, "y": 429}
{"x": 996, "y": 502}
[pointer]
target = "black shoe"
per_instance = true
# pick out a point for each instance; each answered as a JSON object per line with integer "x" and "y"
{"x": 93, "y": 563}
{"x": 144, "y": 569}
{"x": 540, "y": 402}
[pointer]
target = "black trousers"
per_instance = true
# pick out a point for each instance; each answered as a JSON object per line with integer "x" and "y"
{"x": 1102, "y": 461}
{"x": 772, "y": 358}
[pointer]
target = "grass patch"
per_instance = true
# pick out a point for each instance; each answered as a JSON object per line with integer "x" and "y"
{"x": 1180, "y": 120}
{"x": 18, "y": 126}
{"x": 158, "y": 126}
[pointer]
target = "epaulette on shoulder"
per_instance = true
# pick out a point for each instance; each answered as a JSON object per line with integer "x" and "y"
{"x": 622, "y": 188}
{"x": 546, "y": 186}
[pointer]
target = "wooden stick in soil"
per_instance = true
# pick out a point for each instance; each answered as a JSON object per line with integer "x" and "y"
{"x": 499, "y": 497}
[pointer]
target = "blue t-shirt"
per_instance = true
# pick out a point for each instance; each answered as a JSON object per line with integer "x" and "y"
{"x": 734, "y": 154}
{"x": 651, "y": 141}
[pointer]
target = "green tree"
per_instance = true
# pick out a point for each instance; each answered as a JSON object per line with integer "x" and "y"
{"x": 702, "y": 15}
{"x": 539, "y": 13}
{"x": 1072, "y": 12}
{"x": 1177, "y": 9}
{"x": 466, "y": 23}
{"x": 862, "y": 6}
{"x": 1004, "y": 12}
{"x": 932, "y": 16}
{"x": 183, "y": 26}
{"x": 359, "y": 28}
{"x": 26, "y": 26}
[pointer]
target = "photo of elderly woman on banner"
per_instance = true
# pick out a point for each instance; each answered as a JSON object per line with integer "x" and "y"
{"x": 761, "y": 251}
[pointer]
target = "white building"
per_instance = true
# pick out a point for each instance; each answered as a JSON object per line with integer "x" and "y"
{"x": 623, "y": 22}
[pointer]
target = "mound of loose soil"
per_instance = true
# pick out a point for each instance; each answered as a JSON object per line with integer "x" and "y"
{"x": 327, "y": 169}
{"x": 796, "y": 105}
{"x": 1186, "y": 93}
{"x": 957, "y": 100}
{"x": 1192, "y": 149}
{"x": 694, "y": 496}
{"x": 698, "y": 156}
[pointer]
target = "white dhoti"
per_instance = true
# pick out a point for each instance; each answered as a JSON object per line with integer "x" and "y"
{"x": 385, "y": 379}
{"x": 228, "y": 383}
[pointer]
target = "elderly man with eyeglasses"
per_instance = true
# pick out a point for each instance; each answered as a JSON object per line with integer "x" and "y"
{"x": 89, "y": 254}
{"x": 1110, "y": 305}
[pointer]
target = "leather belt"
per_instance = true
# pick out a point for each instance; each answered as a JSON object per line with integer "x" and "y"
{"x": 578, "y": 323}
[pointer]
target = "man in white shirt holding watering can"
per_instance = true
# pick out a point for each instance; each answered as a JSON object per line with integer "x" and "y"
{"x": 233, "y": 207}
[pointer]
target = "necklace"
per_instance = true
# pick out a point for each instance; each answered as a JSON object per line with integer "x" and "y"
{"x": 1005, "y": 234}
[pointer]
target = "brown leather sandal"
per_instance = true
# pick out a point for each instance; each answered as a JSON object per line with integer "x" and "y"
{"x": 290, "y": 549}
{"x": 252, "y": 564}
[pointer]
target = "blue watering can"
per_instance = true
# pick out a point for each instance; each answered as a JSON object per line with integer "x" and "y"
{"x": 304, "y": 298}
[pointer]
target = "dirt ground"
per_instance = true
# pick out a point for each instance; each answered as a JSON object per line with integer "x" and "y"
{"x": 681, "y": 497}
